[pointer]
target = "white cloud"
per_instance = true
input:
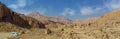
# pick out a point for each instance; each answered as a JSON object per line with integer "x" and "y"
{"x": 90, "y": 10}
{"x": 19, "y": 4}
{"x": 98, "y": 8}
{"x": 13, "y": 6}
{"x": 68, "y": 11}
{"x": 86, "y": 11}
{"x": 22, "y": 3}
{"x": 112, "y": 4}
{"x": 108, "y": 4}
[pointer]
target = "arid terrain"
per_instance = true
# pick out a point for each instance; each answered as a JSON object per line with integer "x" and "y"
{"x": 36, "y": 26}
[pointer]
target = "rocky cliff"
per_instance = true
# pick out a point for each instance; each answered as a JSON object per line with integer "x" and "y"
{"x": 20, "y": 20}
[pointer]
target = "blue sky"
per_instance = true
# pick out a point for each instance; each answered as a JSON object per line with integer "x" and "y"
{"x": 72, "y": 9}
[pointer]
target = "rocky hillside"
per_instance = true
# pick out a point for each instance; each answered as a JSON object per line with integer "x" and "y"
{"x": 14, "y": 19}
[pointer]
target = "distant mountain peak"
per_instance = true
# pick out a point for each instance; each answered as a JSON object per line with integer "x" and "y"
{"x": 59, "y": 19}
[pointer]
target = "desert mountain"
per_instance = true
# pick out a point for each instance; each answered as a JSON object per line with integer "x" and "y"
{"x": 10, "y": 17}
{"x": 58, "y": 19}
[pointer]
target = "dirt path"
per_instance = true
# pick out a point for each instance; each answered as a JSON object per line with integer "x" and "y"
{"x": 4, "y": 35}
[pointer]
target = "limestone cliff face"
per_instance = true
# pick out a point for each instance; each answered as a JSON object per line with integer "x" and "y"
{"x": 7, "y": 15}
